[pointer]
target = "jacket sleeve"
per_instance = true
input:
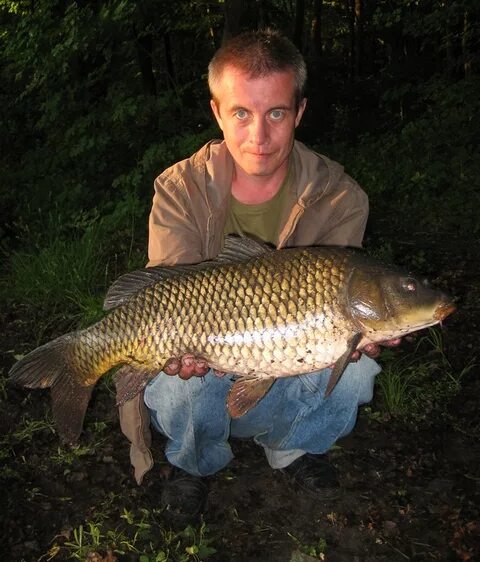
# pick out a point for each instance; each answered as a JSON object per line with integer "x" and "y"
{"x": 173, "y": 235}
{"x": 348, "y": 215}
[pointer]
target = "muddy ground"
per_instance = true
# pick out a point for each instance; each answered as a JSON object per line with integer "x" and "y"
{"x": 410, "y": 488}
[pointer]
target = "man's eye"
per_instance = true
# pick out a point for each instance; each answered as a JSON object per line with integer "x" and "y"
{"x": 277, "y": 114}
{"x": 241, "y": 114}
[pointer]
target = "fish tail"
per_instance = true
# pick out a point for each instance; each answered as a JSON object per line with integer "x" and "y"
{"x": 44, "y": 366}
{"x": 54, "y": 366}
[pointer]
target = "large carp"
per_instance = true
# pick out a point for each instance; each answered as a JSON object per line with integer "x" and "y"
{"x": 253, "y": 311}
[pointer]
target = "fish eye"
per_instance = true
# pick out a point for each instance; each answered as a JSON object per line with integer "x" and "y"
{"x": 409, "y": 285}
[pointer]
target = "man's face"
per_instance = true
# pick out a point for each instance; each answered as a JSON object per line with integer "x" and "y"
{"x": 258, "y": 118}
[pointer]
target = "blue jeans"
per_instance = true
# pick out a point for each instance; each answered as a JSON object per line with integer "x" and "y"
{"x": 293, "y": 418}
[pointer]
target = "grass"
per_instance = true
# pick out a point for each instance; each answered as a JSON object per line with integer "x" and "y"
{"x": 420, "y": 382}
{"x": 397, "y": 387}
{"x": 27, "y": 430}
{"x": 59, "y": 287}
{"x": 141, "y": 534}
{"x": 59, "y": 276}
{"x": 316, "y": 551}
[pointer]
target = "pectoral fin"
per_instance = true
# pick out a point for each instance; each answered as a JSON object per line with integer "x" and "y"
{"x": 341, "y": 363}
{"x": 245, "y": 394}
{"x": 130, "y": 381}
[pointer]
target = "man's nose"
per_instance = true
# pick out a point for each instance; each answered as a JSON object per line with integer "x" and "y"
{"x": 259, "y": 131}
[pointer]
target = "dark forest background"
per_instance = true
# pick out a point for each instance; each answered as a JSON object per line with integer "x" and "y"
{"x": 98, "y": 97}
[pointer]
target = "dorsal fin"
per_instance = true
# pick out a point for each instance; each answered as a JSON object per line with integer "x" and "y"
{"x": 236, "y": 249}
{"x": 128, "y": 285}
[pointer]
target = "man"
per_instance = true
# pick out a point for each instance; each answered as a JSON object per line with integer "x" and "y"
{"x": 261, "y": 183}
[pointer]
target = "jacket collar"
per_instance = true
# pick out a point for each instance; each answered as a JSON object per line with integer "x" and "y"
{"x": 312, "y": 178}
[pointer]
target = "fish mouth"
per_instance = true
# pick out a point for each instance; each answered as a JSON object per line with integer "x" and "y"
{"x": 444, "y": 310}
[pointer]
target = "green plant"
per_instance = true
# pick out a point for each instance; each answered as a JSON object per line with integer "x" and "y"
{"x": 397, "y": 387}
{"x": 434, "y": 339}
{"x": 141, "y": 533}
{"x": 85, "y": 540}
{"x": 418, "y": 383}
{"x": 59, "y": 283}
{"x": 20, "y": 438}
{"x": 66, "y": 456}
{"x": 28, "y": 428}
{"x": 317, "y": 550}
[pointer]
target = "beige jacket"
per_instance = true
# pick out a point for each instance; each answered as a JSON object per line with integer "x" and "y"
{"x": 190, "y": 207}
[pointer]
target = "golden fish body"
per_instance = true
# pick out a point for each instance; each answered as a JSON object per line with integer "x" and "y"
{"x": 265, "y": 314}
{"x": 277, "y": 315}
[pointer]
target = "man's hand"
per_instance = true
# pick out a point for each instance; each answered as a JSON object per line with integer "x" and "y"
{"x": 373, "y": 349}
{"x": 187, "y": 366}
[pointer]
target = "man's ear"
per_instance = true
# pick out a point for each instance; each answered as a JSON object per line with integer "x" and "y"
{"x": 216, "y": 112}
{"x": 301, "y": 108}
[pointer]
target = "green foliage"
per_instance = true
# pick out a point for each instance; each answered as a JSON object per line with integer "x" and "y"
{"x": 28, "y": 428}
{"x": 24, "y": 434}
{"x": 67, "y": 456}
{"x": 141, "y": 533}
{"x": 316, "y": 551}
{"x": 78, "y": 121}
{"x": 422, "y": 383}
{"x": 86, "y": 142}
{"x": 59, "y": 282}
{"x": 61, "y": 273}
{"x": 428, "y": 167}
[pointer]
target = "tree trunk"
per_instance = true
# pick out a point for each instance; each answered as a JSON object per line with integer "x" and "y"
{"x": 358, "y": 38}
{"x": 168, "y": 59}
{"x": 318, "y": 93}
{"x": 466, "y": 54}
{"x": 351, "y": 28}
{"x": 262, "y": 18}
{"x": 317, "y": 29}
{"x": 144, "y": 45}
{"x": 299, "y": 23}
{"x": 233, "y": 10}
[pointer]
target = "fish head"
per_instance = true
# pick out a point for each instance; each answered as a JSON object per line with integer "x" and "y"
{"x": 386, "y": 303}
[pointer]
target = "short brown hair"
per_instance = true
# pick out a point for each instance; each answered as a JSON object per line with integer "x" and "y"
{"x": 259, "y": 53}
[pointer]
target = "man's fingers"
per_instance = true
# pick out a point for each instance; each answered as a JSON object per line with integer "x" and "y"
{"x": 391, "y": 343}
{"x": 186, "y": 366}
{"x": 355, "y": 356}
{"x": 373, "y": 349}
{"x": 172, "y": 366}
{"x": 201, "y": 367}
{"x": 188, "y": 360}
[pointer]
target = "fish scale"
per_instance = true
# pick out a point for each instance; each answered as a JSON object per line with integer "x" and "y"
{"x": 241, "y": 320}
{"x": 254, "y": 312}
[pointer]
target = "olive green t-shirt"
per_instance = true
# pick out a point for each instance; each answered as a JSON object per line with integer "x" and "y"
{"x": 262, "y": 221}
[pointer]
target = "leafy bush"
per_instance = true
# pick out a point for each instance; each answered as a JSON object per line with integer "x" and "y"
{"x": 426, "y": 170}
